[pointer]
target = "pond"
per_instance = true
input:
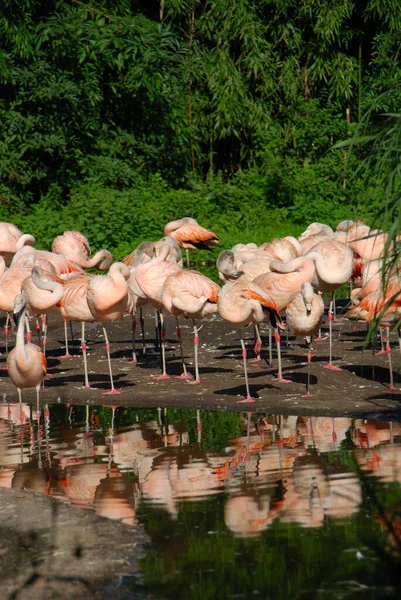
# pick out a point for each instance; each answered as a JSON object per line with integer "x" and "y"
{"x": 235, "y": 504}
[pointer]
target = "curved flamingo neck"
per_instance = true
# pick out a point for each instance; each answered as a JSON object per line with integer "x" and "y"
{"x": 25, "y": 240}
{"x": 301, "y": 265}
{"x": 102, "y": 260}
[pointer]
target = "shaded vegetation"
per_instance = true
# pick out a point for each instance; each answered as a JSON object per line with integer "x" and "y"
{"x": 116, "y": 117}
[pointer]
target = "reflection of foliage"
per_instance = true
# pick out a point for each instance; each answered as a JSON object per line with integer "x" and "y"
{"x": 196, "y": 557}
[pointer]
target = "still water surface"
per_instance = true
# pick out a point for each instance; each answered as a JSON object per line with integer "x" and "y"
{"x": 236, "y": 505}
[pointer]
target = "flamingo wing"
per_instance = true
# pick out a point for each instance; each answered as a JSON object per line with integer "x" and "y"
{"x": 194, "y": 236}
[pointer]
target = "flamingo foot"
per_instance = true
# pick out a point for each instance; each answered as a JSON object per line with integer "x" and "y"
{"x": 89, "y": 387}
{"x": 255, "y": 360}
{"x": 164, "y": 376}
{"x": 307, "y": 395}
{"x": 112, "y": 392}
{"x": 132, "y": 362}
{"x": 392, "y": 388}
{"x": 335, "y": 320}
{"x": 5, "y": 368}
{"x": 320, "y": 339}
{"x": 331, "y": 367}
{"x": 194, "y": 382}
{"x": 184, "y": 376}
{"x": 68, "y": 355}
{"x": 282, "y": 380}
{"x": 246, "y": 400}
{"x": 380, "y": 352}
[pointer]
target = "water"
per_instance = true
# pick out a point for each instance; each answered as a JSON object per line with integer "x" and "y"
{"x": 236, "y": 505}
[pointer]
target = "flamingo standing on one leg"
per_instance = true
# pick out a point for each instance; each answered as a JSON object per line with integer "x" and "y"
{"x": 107, "y": 298}
{"x": 150, "y": 277}
{"x": 243, "y": 303}
{"x": 190, "y": 235}
{"x": 334, "y": 264}
{"x": 304, "y": 315}
{"x": 282, "y": 284}
{"x": 192, "y": 295}
{"x": 26, "y": 362}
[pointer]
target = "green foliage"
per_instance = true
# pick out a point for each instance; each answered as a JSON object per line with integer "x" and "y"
{"x": 225, "y": 111}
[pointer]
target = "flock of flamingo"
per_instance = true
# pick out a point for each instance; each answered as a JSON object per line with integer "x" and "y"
{"x": 272, "y": 283}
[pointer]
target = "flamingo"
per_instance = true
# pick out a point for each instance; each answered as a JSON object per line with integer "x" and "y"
{"x": 107, "y": 298}
{"x": 12, "y": 239}
{"x": 41, "y": 301}
{"x": 60, "y": 263}
{"x": 190, "y": 235}
{"x": 317, "y": 229}
{"x": 143, "y": 253}
{"x": 26, "y": 362}
{"x": 304, "y": 314}
{"x": 150, "y": 277}
{"x": 75, "y": 247}
{"x": 384, "y": 305}
{"x": 334, "y": 265}
{"x": 282, "y": 284}
{"x": 243, "y": 303}
{"x": 192, "y": 295}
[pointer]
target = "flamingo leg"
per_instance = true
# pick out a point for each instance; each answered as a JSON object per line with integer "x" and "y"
{"x": 28, "y": 334}
{"x": 157, "y": 330}
{"x": 382, "y": 348}
{"x": 329, "y": 364}
{"x": 248, "y": 397}
{"x": 133, "y": 329}
{"x": 37, "y": 326}
{"x": 37, "y": 403}
{"x": 280, "y": 378}
{"x": 196, "y": 351}
{"x": 258, "y": 344}
{"x": 390, "y": 366}
{"x": 112, "y": 391}
{"x": 84, "y": 348}
{"x": 307, "y": 392}
{"x": 44, "y": 334}
{"x": 21, "y": 414}
{"x": 163, "y": 346}
{"x": 6, "y": 332}
{"x": 142, "y": 322}
{"x": 67, "y": 352}
{"x": 184, "y": 374}
{"x": 187, "y": 255}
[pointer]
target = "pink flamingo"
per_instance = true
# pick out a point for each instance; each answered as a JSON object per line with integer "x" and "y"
{"x": 26, "y": 362}
{"x": 192, "y": 295}
{"x": 44, "y": 300}
{"x": 12, "y": 239}
{"x": 75, "y": 247}
{"x": 282, "y": 284}
{"x": 190, "y": 235}
{"x": 243, "y": 303}
{"x": 334, "y": 265}
{"x": 150, "y": 277}
{"x": 304, "y": 314}
{"x": 73, "y": 305}
{"x": 143, "y": 253}
{"x": 61, "y": 265}
{"x": 107, "y": 298}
